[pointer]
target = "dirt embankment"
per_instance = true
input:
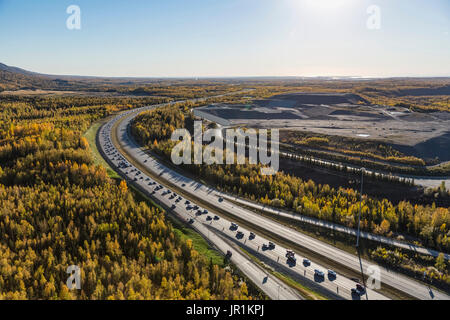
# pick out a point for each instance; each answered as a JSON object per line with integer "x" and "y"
{"x": 395, "y": 192}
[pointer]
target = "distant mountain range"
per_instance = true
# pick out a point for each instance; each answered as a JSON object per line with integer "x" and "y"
{"x": 13, "y": 78}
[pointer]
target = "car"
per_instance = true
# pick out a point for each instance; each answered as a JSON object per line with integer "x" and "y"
{"x": 319, "y": 273}
{"x": 220, "y": 199}
{"x": 360, "y": 288}
{"x": 271, "y": 245}
{"x": 229, "y": 254}
{"x": 187, "y": 202}
{"x": 195, "y": 207}
{"x": 191, "y": 221}
{"x": 292, "y": 259}
{"x": 290, "y": 253}
{"x": 252, "y": 236}
{"x": 208, "y": 218}
{"x": 239, "y": 234}
{"x": 355, "y": 292}
{"x": 234, "y": 225}
{"x": 306, "y": 262}
{"x": 205, "y": 211}
{"x": 332, "y": 274}
{"x": 216, "y": 218}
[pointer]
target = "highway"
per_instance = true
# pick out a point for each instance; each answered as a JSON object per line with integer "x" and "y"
{"x": 334, "y": 226}
{"x": 197, "y": 190}
{"x": 273, "y": 287}
{"x": 330, "y": 225}
{"x": 302, "y": 269}
{"x": 393, "y": 279}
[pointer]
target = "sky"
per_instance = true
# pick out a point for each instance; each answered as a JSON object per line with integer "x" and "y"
{"x": 227, "y": 38}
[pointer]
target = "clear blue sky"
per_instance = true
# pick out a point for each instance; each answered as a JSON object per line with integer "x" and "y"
{"x": 227, "y": 37}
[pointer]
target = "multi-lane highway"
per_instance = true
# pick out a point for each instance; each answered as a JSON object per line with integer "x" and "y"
{"x": 334, "y": 226}
{"x": 132, "y": 151}
{"x": 273, "y": 287}
{"x": 219, "y": 228}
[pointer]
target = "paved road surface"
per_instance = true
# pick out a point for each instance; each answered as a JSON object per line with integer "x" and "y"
{"x": 273, "y": 287}
{"x": 393, "y": 279}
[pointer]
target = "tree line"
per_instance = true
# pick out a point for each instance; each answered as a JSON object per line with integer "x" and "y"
{"x": 60, "y": 209}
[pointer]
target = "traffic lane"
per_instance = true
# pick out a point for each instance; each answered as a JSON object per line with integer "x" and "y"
{"x": 278, "y": 256}
{"x": 409, "y": 286}
{"x": 346, "y": 287}
{"x": 271, "y": 286}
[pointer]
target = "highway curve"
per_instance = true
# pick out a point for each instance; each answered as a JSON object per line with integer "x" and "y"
{"x": 273, "y": 287}
{"x": 197, "y": 190}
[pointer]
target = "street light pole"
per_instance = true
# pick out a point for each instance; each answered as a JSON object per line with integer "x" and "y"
{"x": 360, "y": 205}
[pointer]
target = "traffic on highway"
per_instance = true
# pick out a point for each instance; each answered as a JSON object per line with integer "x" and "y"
{"x": 213, "y": 225}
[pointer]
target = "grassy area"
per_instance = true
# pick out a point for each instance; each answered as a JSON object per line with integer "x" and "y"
{"x": 184, "y": 231}
{"x": 91, "y": 136}
{"x": 200, "y": 244}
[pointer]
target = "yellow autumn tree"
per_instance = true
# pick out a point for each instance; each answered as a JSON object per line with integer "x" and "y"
{"x": 123, "y": 186}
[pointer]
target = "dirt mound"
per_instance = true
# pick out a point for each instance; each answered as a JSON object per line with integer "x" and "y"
{"x": 430, "y": 149}
{"x": 299, "y": 99}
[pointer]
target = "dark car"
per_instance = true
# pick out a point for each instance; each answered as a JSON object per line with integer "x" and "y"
{"x": 216, "y": 218}
{"x": 292, "y": 260}
{"x": 252, "y": 236}
{"x": 229, "y": 254}
{"x": 360, "y": 288}
{"x": 319, "y": 273}
{"x": 355, "y": 293}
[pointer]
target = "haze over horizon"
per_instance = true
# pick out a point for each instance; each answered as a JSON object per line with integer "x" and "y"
{"x": 234, "y": 38}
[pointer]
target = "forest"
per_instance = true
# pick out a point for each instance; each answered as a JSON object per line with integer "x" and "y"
{"x": 428, "y": 224}
{"x": 59, "y": 209}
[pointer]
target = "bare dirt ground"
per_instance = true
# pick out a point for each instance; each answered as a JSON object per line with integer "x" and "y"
{"x": 425, "y": 135}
